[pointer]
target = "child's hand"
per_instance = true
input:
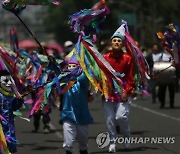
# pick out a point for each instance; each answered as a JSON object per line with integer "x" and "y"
{"x": 124, "y": 97}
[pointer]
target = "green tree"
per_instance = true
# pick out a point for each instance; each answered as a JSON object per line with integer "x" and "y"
{"x": 151, "y": 17}
{"x": 57, "y": 20}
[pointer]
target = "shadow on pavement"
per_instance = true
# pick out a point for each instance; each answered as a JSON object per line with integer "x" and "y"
{"x": 39, "y": 148}
{"x": 143, "y": 148}
{"x": 41, "y": 131}
{"x": 54, "y": 141}
{"x": 23, "y": 145}
{"x": 138, "y": 132}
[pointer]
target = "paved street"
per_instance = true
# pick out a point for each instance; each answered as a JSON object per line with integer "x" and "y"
{"x": 146, "y": 121}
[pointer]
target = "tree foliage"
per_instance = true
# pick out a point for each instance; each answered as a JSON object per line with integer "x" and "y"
{"x": 57, "y": 20}
{"x": 151, "y": 17}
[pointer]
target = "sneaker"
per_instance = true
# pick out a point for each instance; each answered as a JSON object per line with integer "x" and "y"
{"x": 46, "y": 131}
{"x": 135, "y": 98}
{"x": 112, "y": 148}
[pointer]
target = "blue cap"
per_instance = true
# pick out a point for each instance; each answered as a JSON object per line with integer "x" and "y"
{"x": 118, "y": 35}
{"x": 120, "y": 32}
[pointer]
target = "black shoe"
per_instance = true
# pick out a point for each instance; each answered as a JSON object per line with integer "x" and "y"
{"x": 172, "y": 106}
{"x": 35, "y": 131}
{"x": 83, "y": 152}
{"x": 68, "y": 152}
{"x": 162, "y": 106}
{"x": 154, "y": 101}
{"x": 118, "y": 129}
{"x": 46, "y": 126}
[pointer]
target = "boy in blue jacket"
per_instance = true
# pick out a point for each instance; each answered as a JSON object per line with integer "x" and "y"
{"x": 75, "y": 114}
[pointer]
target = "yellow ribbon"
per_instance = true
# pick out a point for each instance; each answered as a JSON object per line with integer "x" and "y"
{"x": 104, "y": 85}
{"x": 6, "y": 93}
{"x": 3, "y": 140}
{"x": 81, "y": 61}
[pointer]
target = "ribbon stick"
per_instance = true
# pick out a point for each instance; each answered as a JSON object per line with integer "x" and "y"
{"x": 16, "y": 6}
{"x": 31, "y": 34}
{"x": 14, "y": 39}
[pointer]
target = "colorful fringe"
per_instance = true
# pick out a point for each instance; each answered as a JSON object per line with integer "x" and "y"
{"x": 170, "y": 40}
{"x": 3, "y": 144}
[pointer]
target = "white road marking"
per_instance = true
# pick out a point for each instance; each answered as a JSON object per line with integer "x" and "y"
{"x": 58, "y": 134}
{"x": 155, "y": 112}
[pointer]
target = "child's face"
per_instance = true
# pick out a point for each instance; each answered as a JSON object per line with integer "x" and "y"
{"x": 70, "y": 67}
{"x": 116, "y": 43}
{"x": 5, "y": 82}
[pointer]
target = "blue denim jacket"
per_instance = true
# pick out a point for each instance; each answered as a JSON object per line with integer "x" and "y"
{"x": 75, "y": 103}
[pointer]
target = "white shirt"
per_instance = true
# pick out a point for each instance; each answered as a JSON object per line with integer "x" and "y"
{"x": 156, "y": 57}
{"x": 165, "y": 56}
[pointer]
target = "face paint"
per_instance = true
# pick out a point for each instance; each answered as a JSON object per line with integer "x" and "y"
{"x": 5, "y": 82}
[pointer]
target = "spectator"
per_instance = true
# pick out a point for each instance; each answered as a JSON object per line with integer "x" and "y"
{"x": 68, "y": 46}
{"x": 166, "y": 76}
{"x": 152, "y": 57}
